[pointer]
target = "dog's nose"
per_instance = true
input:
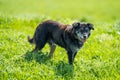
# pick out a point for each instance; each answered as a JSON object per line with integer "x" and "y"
{"x": 84, "y": 36}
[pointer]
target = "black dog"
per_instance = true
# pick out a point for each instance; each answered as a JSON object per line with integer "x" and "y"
{"x": 71, "y": 37}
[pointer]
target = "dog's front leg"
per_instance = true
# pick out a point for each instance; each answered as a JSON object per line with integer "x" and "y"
{"x": 74, "y": 55}
{"x": 70, "y": 57}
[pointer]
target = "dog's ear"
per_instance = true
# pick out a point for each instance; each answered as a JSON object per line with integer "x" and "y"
{"x": 90, "y": 26}
{"x": 76, "y": 24}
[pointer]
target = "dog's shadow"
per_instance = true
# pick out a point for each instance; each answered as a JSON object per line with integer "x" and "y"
{"x": 61, "y": 69}
{"x": 64, "y": 70}
{"x": 39, "y": 57}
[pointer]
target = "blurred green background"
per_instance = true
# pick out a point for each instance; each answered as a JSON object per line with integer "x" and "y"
{"x": 92, "y": 9}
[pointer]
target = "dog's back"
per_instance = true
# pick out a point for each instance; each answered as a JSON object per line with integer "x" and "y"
{"x": 48, "y": 30}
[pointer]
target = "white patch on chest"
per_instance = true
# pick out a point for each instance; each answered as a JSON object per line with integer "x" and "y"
{"x": 74, "y": 49}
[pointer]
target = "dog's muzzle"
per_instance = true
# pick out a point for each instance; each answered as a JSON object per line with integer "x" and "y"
{"x": 82, "y": 39}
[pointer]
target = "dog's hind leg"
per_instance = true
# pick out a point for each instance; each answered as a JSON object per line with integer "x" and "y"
{"x": 40, "y": 42}
{"x": 35, "y": 50}
{"x": 53, "y": 47}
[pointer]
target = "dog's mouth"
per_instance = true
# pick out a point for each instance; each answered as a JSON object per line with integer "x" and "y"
{"x": 84, "y": 40}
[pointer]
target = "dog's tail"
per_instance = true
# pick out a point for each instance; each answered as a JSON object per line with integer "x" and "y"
{"x": 31, "y": 40}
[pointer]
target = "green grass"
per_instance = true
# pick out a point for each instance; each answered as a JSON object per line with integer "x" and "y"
{"x": 99, "y": 59}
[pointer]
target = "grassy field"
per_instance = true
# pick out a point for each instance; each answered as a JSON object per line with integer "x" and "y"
{"x": 99, "y": 59}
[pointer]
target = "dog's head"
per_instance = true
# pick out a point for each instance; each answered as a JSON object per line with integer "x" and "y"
{"x": 81, "y": 31}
